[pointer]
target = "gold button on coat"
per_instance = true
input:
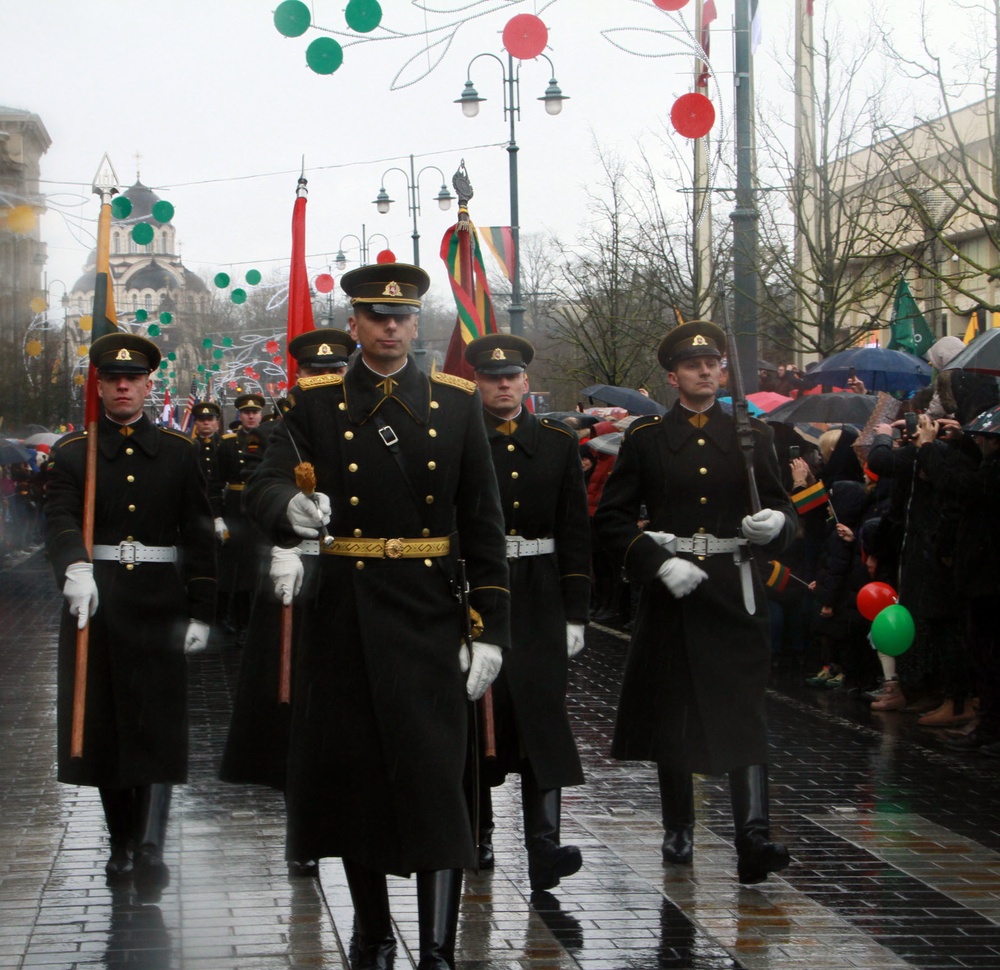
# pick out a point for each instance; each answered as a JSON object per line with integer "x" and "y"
{"x": 129, "y": 451}
{"x": 702, "y": 471}
{"x": 348, "y": 435}
{"x": 352, "y": 467}
{"x": 432, "y": 432}
{"x": 432, "y": 465}
{"x": 357, "y": 533}
{"x": 130, "y": 478}
{"x": 355, "y": 500}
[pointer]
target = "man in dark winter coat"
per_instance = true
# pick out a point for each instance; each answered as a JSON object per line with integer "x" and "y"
{"x": 692, "y": 697}
{"x": 382, "y": 680}
{"x": 148, "y": 588}
{"x": 538, "y": 468}
{"x": 207, "y": 415}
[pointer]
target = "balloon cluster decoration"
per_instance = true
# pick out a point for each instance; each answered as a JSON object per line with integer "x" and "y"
{"x": 893, "y": 628}
{"x": 142, "y": 232}
{"x": 238, "y": 295}
{"x": 292, "y": 18}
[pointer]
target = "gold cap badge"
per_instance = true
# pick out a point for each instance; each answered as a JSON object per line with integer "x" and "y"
{"x": 123, "y": 354}
{"x": 699, "y": 341}
{"x": 498, "y": 354}
{"x": 392, "y": 288}
{"x": 324, "y": 350}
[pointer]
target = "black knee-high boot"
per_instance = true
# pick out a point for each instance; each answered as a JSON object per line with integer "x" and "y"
{"x": 439, "y": 894}
{"x": 758, "y": 855}
{"x": 119, "y": 812}
{"x": 677, "y": 806}
{"x": 373, "y": 945}
{"x": 152, "y": 812}
{"x": 548, "y": 861}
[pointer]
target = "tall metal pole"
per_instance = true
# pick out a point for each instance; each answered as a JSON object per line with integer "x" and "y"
{"x": 415, "y": 209}
{"x": 744, "y": 216}
{"x": 516, "y": 310}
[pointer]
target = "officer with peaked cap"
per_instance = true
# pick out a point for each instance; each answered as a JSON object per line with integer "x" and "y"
{"x": 692, "y": 697}
{"x": 147, "y": 590}
{"x": 379, "y": 711}
{"x": 243, "y": 549}
{"x": 544, "y": 503}
{"x": 206, "y": 417}
{"x": 323, "y": 351}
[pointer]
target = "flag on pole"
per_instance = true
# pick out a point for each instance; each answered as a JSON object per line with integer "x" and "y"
{"x": 756, "y": 27}
{"x": 810, "y": 498}
{"x": 192, "y": 400}
{"x": 166, "y": 414}
{"x": 462, "y": 255}
{"x": 708, "y": 14}
{"x": 500, "y": 240}
{"x": 972, "y": 330}
{"x": 300, "y": 311}
{"x": 105, "y": 320}
{"x": 780, "y": 575}
{"x": 908, "y": 329}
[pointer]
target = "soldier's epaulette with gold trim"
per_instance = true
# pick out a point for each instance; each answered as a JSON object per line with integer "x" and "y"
{"x": 320, "y": 380}
{"x": 228, "y": 435}
{"x": 453, "y": 380}
{"x": 178, "y": 434}
{"x": 553, "y": 425}
{"x": 72, "y": 436}
{"x": 646, "y": 421}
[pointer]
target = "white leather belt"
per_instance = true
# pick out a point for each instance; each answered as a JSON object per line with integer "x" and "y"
{"x": 704, "y": 544}
{"x": 518, "y": 548}
{"x": 130, "y": 552}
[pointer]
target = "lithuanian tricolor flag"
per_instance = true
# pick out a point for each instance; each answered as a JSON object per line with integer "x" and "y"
{"x": 780, "y": 575}
{"x": 810, "y": 498}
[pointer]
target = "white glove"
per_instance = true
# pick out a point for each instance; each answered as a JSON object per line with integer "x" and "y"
{"x": 80, "y": 591}
{"x": 196, "y": 638}
{"x": 221, "y": 531}
{"x": 680, "y": 576}
{"x": 574, "y": 639}
{"x": 763, "y": 526}
{"x": 307, "y": 516}
{"x": 486, "y": 661}
{"x": 286, "y": 573}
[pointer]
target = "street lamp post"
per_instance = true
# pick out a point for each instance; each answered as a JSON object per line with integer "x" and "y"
{"x": 470, "y": 100}
{"x": 444, "y": 198}
{"x": 340, "y": 260}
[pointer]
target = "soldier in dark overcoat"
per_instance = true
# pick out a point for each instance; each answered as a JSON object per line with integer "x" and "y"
{"x": 692, "y": 698}
{"x": 206, "y": 417}
{"x": 243, "y": 549}
{"x": 380, "y": 689}
{"x": 148, "y": 588}
{"x": 540, "y": 476}
{"x": 256, "y": 750}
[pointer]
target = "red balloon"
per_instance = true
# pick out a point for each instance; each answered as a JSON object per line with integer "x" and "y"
{"x": 282, "y": 385}
{"x": 276, "y": 360}
{"x": 324, "y": 283}
{"x": 271, "y": 346}
{"x": 248, "y": 370}
{"x": 525, "y": 36}
{"x": 670, "y": 4}
{"x": 875, "y": 597}
{"x": 692, "y": 115}
{"x": 386, "y": 256}
{"x": 232, "y": 385}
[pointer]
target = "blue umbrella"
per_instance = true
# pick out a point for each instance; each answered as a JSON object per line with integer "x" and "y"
{"x": 877, "y": 368}
{"x": 727, "y": 405}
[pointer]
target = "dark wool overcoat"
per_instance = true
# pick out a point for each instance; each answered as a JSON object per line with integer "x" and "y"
{"x": 543, "y": 496}
{"x": 692, "y": 696}
{"x": 379, "y": 710}
{"x": 150, "y": 489}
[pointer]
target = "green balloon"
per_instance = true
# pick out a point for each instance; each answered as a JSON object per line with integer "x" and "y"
{"x": 218, "y": 354}
{"x": 324, "y": 55}
{"x": 221, "y": 280}
{"x": 207, "y": 343}
{"x": 363, "y": 15}
{"x": 163, "y": 211}
{"x": 166, "y": 317}
{"x": 172, "y": 356}
{"x": 142, "y": 233}
{"x": 238, "y": 296}
{"x": 227, "y": 341}
{"x": 121, "y": 208}
{"x": 163, "y": 365}
{"x": 253, "y": 277}
{"x": 893, "y": 630}
{"x": 153, "y": 330}
{"x": 173, "y": 373}
{"x": 201, "y": 368}
{"x": 291, "y": 18}
{"x": 141, "y": 316}
{"x": 215, "y": 366}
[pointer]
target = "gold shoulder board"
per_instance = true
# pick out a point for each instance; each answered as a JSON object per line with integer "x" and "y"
{"x": 646, "y": 421}
{"x": 321, "y": 380}
{"x": 439, "y": 377}
{"x": 228, "y": 435}
{"x": 178, "y": 434}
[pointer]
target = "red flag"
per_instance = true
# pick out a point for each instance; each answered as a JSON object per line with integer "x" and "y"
{"x": 708, "y": 14}
{"x": 300, "y": 311}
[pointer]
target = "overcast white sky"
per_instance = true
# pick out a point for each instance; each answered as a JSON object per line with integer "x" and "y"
{"x": 221, "y": 109}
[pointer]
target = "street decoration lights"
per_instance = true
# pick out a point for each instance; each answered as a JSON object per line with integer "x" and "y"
{"x": 552, "y": 98}
{"x": 444, "y": 198}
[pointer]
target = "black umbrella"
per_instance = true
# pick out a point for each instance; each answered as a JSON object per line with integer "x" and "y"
{"x": 586, "y": 420}
{"x": 624, "y": 397}
{"x": 982, "y": 356}
{"x": 766, "y": 365}
{"x": 878, "y": 368}
{"x": 12, "y": 453}
{"x": 837, "y": 408}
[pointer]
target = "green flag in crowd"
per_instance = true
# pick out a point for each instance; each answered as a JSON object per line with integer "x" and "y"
{"x": 909, "y": 330}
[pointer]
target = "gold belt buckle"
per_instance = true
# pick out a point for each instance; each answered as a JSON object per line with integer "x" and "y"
{"x": 394, "y": 548}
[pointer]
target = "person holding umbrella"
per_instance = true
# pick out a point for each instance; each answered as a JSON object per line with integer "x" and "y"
{"x": 692, "y": 697}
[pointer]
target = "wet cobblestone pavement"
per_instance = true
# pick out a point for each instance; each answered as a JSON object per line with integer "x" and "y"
{"x": 895, "y": 843}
